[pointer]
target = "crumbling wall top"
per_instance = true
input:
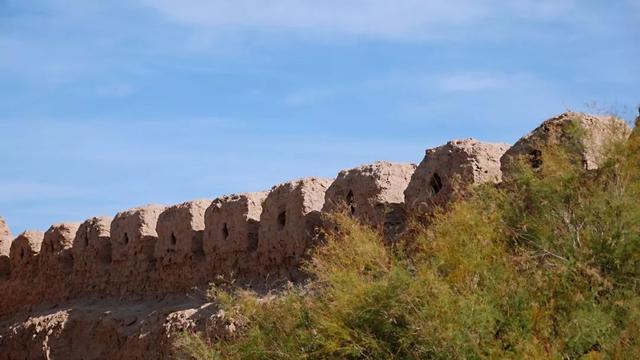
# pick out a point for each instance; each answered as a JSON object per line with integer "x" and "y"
{"x": 231, "y": 227}
{"x": 89, "y": 233}
{"x": 25, "y": 247}
{"x": 594, "y": 133}
{"x": 5, "y": 237}
{"x": 131, "y": 227}
{"x": 59, "y": 237}
{"x": 451, "y": 168}
{"x": 179, "y": 229}
{"x": 368, "y": 190}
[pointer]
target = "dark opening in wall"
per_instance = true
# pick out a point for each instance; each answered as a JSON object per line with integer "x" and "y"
{"x": 21, "y": 253}
{"x": 253, "y": 242}
{"x": 86, "y": 240}
{"x": 125, "y": 240}
{"x": 197, "y": 245}
{"x": 51, "y": 247}
{"x": 350, "y": 202}
{"x": 435, "y": 183}
{"x": 535, "y": 158}
{"x": 225, "y": 231}
{"x": 282, "y": 219}
{"x": 173, "y": 239}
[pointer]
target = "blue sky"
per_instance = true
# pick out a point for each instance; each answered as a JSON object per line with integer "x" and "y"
{"x": 106, "y": 105}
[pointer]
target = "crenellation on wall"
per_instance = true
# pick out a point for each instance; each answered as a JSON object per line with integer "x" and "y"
{"x": 56, "y": 260}
{"x": 91, "y": 251}
{"x": 450, "y": 169}
{"x": 5, "y": 247}
{"x": 55, "y": 250}
{"x": 289, "y": 225}
{"x": 179, "y": 250}
{"x": 24, "y": 253}
{"x": 373, "y": 194}
{"x": 584, "y": 135}
{"x": 259, "y": 237}
{"x": 232, "y": 225}
{"x": 24, "y": 283}
{"x": 133, "y": 241}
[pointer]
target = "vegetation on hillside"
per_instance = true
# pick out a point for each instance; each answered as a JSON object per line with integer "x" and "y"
{"x": 546, "y": 266}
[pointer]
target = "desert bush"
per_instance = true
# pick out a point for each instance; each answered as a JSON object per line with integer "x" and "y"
{"x": 544, "y": 266}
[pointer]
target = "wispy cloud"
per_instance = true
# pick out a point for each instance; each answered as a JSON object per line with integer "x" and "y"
{"x": 116, "y": 90}
{"x": 471, "y": 82}
{"x": 363, "y": 17}
{"x": 400, "y": 19}
{"x": 305, "y": 97}
{"x": 14, "y": 190}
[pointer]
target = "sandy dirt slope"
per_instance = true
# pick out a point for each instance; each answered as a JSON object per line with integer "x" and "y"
{"x": 102, "y": 329}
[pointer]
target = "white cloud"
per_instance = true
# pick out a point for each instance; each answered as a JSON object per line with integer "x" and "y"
{"x": 399, "y": 19}
{"x": 471, "y": 82}
{"x": 379, "y": 18}
{"x": 32, "y": 190}
{"x": 635, "y": 4}
{"x": 310, "y": 96}
{"x": 116, "y": 90}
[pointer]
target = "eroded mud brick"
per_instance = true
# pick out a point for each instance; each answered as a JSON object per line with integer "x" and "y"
{"x": 5, "y": 247}
{"x": 450, "y": 169}
{"x": 584, "y": 135}
{"x": 372, "y": 193}
{"x": 24, "y": 252}
{"x": 55, "y": 251}
{"x": 180, "y": 230}
{"x": 133, "y": 240}
{"x": 56, "y": 261}
{"x": 289, "y": 223}
{"x": 179, "y": 253}
{"x": 231, "y": 233}
{"x": 92, "y": 254}
{"x": 24, "y": 286}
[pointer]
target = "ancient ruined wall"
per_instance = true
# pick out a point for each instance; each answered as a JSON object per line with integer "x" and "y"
{"x": 288, "y": 225}
{"x": 133, "y": 240}
{"x": 22, "y": 288}
{"x": 56, "y": 260}
{"x": 91, "y": 252}
{"x": 5, "y": 245}
{"x": 156, "y": 250}
{"x": 583, "y": 135}
{"x": 179, "y": 250}
{"x": 231, "y": 235}
{"x": 373, "y": 194}
{"x": 450, "y": 169}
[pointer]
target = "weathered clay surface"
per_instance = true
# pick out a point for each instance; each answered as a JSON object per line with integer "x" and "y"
{"x": 231, "y": 233}
{"x": 289, "y": 223}
{"x": 597, "y": 132}
{"x": 24, "y": 286}
{"x": 179, "y": 252}
{"x": 133, "y": 241}
{"x": 450, "y": 169}
{"x": 55, "y": 252}
{"x": 92, "y": 256}
{"x": 105, "y": 329}
{"x": 372, "y": 193}
{"x": 5, "y": 246}
{"x": 23, "y": 254}
{"x": 56, "y": 260}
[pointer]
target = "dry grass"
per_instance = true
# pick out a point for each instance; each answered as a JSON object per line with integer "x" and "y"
{"x": 546, "y": 267}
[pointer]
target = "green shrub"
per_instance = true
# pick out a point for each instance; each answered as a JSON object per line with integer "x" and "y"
{"x": 546, "y": 266}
